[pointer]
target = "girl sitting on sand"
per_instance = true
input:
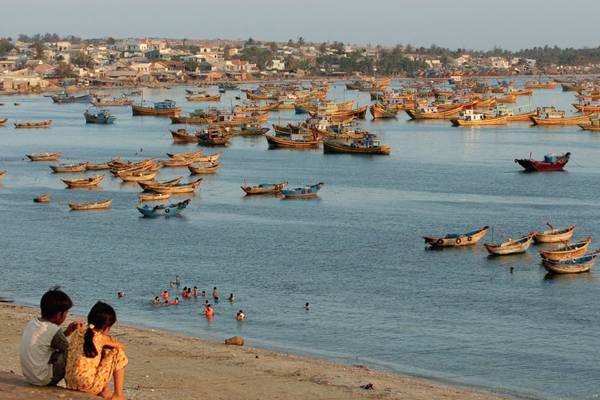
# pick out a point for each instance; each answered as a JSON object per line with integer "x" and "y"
{"x": 94, "y": 357}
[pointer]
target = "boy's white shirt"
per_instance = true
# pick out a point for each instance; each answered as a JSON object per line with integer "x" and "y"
{"x": 35, "y": 351}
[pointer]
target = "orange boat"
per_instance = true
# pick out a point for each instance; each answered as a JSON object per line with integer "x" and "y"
{"x": 587, "y": 108}
{"x": 550, "y": 116}
{"x": 433, "y": 113}
{"x": 203, "y": 97}
{"x": 381, "y": 111}
{"x": 165, "y": 108}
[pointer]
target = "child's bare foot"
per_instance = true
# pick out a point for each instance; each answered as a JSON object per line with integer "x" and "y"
{"x": 106, "y": 393}
{"x": 118, "y": 396}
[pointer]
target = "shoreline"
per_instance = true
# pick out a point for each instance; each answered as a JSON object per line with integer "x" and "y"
{"x": 179, "y": 365}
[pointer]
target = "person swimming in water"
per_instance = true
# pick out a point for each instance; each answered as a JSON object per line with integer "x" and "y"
{"x": 156, "y": 300}
{"x": 196, "y": 291}
{"x": 231, "y": 297}
{"x": 307, "y": 306}
{"x": 121, "y": 294}
{"x": 215, "y": 293}
{"x": 240, "y": 316}
{"x": 209, "y": 312}
{"x": 165, "y": 295}
{"x": 203, "y": 293}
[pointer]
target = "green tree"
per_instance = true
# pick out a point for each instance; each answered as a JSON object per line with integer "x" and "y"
{"x": 5, "y": 46}
{"x": 83, "y": 60}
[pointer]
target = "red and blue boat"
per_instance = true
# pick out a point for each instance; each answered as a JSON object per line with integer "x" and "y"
{"x": 551, "y": 163}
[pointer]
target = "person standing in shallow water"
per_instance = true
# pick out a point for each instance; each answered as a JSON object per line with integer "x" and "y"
{"x": 215, "y": 293}
{"x": 307, "y": 306}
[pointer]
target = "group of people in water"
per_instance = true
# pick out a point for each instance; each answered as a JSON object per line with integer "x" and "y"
{"x": 194, "y": 293}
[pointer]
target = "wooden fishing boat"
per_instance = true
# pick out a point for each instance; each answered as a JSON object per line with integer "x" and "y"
{"x": 44, "y": 198}
{"x": 165, "y": 108}
{"x": 204, "y": 168}
{"x": 163, "y": 210}
{"x": 568, "y": 251}
{"x": 249, "y": 130}
{"x": 510, "y": 246}
{"x": 457, "y": 239}
{"x": 511, "y": 98}
{"x": 211, "y": 158}
{"x": 44, "y": 156}
{"x": 119, "y": 102}
{"x": 571, "y": 266}
{"x": 192, "y": 120}
{"x": 540, "y": 85}
{"x": 148, "y": 185}
{"x": 101, "y": 117}
{"x": 256, "y": 107}
{"x": 178, "y": 188}
{"x": 3, "y": 121}
{"x": 550, "y": 116}
{"x": 470, "y": 118}
{"x": 523, "y": 117}
{"x": 306, "y": 192}
{"x": 153, "y": 196}
{"x": 264, "y": 188}
{"x": 380, "y": 111}
{"x": 63, "y": 168}
{"x": 433, "y": 113}
{"x": 592, "y": 126}
{"x": 193, "y": 155}
{"x": 134, "y": 169}
{"x": 203, "y": 97}
{"x": 213, "y": 136}
{"x": 83, "y": 183}
{"x": 368, "y": 144}
{"x": 97, "y": 166}
{"x": 484, "y": 103}
{"x": 177, "y": 162}
{"x": 64, "y": 98}
{"x": 554, "y": 235}
{"x": 551, "y": 163}
{"x": 293, "y": 142}
{"x": 587, "y": 108}
{"x": 103, "y": 205}
{"x": 30, "y": 124}
{"x": 139, "y": 176}
{"x": 182, "y": 136}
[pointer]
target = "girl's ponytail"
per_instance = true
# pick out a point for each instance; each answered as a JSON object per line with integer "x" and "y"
{"x": 101, "y": 316}
{"x": 89, "y": 348}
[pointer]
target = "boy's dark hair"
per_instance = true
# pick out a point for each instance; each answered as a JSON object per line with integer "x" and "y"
{"x": 53, "y": 302}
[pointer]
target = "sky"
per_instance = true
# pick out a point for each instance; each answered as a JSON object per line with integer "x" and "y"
{"x": 471, "y": 24}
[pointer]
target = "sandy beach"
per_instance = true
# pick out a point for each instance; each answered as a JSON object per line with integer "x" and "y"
{"x": 164, "y": 365}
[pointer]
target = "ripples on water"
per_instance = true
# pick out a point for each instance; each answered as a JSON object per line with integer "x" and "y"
{"x": 355, "y": 254}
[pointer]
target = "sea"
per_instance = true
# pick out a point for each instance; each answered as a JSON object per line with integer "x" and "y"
{"x": 378, "y": 296}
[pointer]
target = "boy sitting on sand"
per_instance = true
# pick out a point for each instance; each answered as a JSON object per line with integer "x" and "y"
{"x": 43, "y": 350}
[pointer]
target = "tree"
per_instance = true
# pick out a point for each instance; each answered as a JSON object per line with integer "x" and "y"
{"x": 323, "y": 47}
{"x": 64, "y": 70}
{"x": 257, "y": 55}
{"x": 301, "y": 41}
{"x": 5, "y": 46}
{"x": 110, "y": 40}
{"x": 38, "y": 47}
{"x": 83, "y": 60}
{"x": 191, "y": 65}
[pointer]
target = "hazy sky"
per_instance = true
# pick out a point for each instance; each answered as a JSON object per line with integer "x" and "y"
{"x": 482, "y": 24}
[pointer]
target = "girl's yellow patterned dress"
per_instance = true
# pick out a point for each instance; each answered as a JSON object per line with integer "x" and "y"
{"x": 91, "y": 375}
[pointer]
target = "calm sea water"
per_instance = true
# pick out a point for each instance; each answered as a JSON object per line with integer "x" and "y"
{"x": 356, "y": 254}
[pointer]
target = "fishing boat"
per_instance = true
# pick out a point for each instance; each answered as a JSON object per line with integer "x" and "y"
{"x": 587, "y": 108}
{"x": 551, "y": 163}
{"x": 153, "y": 196}
{"x": 64, "y": 168}
{"x": 249, "y": 130}
{"x": 213, "y": 136}
{"x": 511, "y": 246}
{"x": 305, "y": 192}
{"x": 178, "y": 188}
{"x": 554, "y": 235}
{"x": 148, "y": 185}
{"x": 83, "y": 183}
{"x": 568, "y": 251}
{"x": 182, "y": 136}
{"x": 166, "y": 108}
{"x": 540, "y": 85}
{"x": 117, "y": 102}
{"x": 3, "y": 121}
{"x": 293, "y": 141}
{"x": 143, "y": 176}
{"x": 163, "y": 210}
{"x": 98, "y": 166}
{"x": 211, "y": 158}
{"x": 257, "y": 107}
{"x": 177, "y": 162}
{"x": 571, "y": 266}
{"x": 203, "y": 97}
{"x": 192, "y": 155}
{"x": 368, "y": 144}
{"x": 31, "y": 125}
{"x": 44, "y": 198}
{"x": 457, "y": 239}
{"x": 550, "y": 116}
{"x": 103, "y": 205}
{"x": 264, "y": 188}
{"x": 381, "y": 111}
{"x": 592, "y": 126}
{"x": 64, "y": 98}
{"x": 433, "y": 112}
{"x": 44, "y": 156}
{"x": 469, "y": 117}
{"x": 193, "y": 119}
{"x": 101, "y": 117}
{"x": 204, "y": 168}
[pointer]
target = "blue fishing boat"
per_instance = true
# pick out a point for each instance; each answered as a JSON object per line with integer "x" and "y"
{"x": 101, "y": 117}
{"x": 306, "y": 192}
{"x": 163, "y": 210}
{"x": 63, "y": 98}
{"x": 571, "y": 266}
